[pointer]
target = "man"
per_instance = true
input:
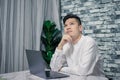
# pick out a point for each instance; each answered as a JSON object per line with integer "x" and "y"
{"x": 77, "y": 54}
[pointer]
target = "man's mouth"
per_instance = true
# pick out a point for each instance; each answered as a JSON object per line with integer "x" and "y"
{"x": 69, "y": 31}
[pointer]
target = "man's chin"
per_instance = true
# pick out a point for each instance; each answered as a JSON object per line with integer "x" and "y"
{"x": 70, "y": 35}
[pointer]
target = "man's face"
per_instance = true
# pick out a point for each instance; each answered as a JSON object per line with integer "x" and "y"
{"x": 72, "y": 27}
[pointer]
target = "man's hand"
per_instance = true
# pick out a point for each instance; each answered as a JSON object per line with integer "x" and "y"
{"x": 64, "y": 40}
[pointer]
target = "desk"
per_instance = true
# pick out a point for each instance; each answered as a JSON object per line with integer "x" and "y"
{"x": 25, "y": 75}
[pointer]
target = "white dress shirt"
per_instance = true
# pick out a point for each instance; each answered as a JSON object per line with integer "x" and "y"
{"x": 80, "y": 59}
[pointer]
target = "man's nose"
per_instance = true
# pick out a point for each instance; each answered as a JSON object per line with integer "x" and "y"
{"x": 68, "y": 28}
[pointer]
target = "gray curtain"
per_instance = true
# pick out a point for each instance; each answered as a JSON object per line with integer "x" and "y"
{"x": 53, "y": 11}
{"x": 0, "y": 47}
{"x": 20, "y": 29}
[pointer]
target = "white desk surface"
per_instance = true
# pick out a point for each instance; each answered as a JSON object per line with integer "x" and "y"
{"x": 25, "y": 75}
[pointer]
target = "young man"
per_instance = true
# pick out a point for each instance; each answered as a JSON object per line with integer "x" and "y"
{"x": 77, "y": 54}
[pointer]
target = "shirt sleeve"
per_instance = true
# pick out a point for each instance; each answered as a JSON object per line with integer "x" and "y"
{"x": 57, "y": 61}
{"x": 87, "y": 61}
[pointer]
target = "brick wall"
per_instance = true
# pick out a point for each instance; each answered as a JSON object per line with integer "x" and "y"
{"x": 101, "y": 20}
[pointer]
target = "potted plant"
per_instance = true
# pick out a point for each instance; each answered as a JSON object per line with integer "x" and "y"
{"x": 50, "y": 38}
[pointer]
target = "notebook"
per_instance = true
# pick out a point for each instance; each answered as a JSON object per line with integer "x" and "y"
{"x": 37, "y": 66}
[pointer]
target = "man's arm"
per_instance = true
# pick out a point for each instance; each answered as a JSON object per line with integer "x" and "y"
{"x": 58, "y": 58}
{"x": 57, "y": 61}
{"x": 88, "y": 62}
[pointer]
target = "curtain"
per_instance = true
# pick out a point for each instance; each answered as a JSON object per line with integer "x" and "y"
{"x": 0, "y": 47}
{"x": 20, "y": 29}
{"x": 53, "y": 12}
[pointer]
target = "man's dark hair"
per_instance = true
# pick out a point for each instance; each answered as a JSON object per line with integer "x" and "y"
{"x": 71, "y": 16}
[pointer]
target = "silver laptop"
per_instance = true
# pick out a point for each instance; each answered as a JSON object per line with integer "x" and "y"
{"x": 37, "y": 66}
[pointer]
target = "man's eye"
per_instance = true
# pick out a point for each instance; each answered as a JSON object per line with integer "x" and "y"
{"x": 65, "y": 25}
{"x": 71, "y": 23}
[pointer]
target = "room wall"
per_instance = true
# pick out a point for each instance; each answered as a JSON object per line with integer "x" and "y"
{"x": 101, "y": 20}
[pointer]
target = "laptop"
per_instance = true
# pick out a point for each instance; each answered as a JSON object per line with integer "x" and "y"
{"x": 37, "y": 66}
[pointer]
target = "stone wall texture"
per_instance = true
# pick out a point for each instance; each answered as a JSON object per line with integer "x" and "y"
{"x": 101, "y": 20}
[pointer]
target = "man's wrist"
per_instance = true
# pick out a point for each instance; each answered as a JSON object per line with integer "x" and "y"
{"x": 60, "y": 47}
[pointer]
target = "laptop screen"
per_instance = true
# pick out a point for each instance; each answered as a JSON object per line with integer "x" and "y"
{"x": 35, "y": 61}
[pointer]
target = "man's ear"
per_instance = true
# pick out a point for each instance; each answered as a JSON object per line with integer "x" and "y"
{"x": 80, "y": 28}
